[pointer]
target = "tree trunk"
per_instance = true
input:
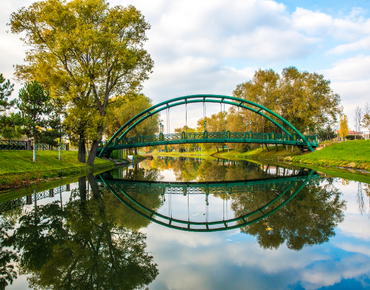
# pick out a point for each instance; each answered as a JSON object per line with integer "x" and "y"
{"x": 277, "y": 148}
{"x": 135, "y": 150}
{"x": 267, "y": 148}
{"x": 34, "y": 149}
{"x": 81, "y": 150}
{"x": 94, "y": 147}
{"x": 92, "y": 153}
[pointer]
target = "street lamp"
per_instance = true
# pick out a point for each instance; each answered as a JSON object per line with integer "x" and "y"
{"x": 160, "y": 127}
{"x": 250, "y": 123}
{"x": 205, "y": 124}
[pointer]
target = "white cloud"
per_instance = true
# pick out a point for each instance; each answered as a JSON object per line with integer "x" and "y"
{"x": 317, "y": 23}
{"x": 211, "y": 46}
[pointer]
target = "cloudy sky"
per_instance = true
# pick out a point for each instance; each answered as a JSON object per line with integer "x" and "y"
{"x": 211, "y": 46}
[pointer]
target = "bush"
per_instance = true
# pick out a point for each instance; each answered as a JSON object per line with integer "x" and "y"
{"x": 353, "y": 137}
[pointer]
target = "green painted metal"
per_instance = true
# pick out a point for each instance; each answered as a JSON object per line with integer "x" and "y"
{"x": 216, "y": 137}
{"x": 259, "y": 214}
{"x": 13, "y": 145}
{"x": 200, "y": 99}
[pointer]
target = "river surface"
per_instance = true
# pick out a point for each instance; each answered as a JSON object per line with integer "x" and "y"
{"x": 188, "y": 223}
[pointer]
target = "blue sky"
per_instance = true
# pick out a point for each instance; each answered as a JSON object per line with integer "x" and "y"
{"x": 211, "y": 46}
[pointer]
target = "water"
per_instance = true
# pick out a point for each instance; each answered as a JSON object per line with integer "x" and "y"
{"x": 190, "y": 224}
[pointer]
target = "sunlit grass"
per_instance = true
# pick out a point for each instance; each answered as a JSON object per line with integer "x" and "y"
{"x": 17, "y": 165}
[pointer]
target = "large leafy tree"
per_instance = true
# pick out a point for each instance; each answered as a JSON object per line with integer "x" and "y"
{"x": 302, "y": 98}
{"x": 126, "y": 107}
{"x": 39, "y": 114}
{"x": 84, "y": 52}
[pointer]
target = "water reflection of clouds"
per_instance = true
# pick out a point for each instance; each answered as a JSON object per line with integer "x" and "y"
{"x": 219, "y": 261}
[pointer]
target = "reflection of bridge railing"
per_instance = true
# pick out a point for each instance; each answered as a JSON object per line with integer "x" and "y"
{"x": 231, "y": 187}
{"x": 30, "y": 199}
{"x": 280, "y": 191}
{"x": 214, "y": 137}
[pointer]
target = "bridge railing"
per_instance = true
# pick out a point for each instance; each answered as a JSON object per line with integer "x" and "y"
{"x": 27, "y": 145}
{"x": 217, "y": 136}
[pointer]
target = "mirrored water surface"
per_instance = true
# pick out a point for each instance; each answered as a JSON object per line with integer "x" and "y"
{"x": 189, "y": 223}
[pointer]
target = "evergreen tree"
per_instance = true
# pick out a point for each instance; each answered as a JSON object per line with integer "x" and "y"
{"x": 40, "y": 119}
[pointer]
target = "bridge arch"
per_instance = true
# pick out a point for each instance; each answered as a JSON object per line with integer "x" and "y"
{"x": 290, "y": 187}
{"x": 203, "y": 98}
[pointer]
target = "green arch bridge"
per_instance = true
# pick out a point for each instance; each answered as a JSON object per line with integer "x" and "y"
{"x": 289, "y": 136}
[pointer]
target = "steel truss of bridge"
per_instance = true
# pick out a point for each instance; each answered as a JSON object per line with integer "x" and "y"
{"x": 211, "y": 137}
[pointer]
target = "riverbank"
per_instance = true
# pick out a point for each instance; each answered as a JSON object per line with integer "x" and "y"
{"x": 348, "y": 160}
{"x": 18, "y": 170}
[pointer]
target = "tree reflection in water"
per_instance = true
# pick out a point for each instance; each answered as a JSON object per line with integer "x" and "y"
{"x": 308, "y": 219}
{"x": 82, "y": 246}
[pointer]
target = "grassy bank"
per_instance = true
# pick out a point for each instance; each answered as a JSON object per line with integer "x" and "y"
{"x": 18, "y": 169}
{"x": 349, "y": 154}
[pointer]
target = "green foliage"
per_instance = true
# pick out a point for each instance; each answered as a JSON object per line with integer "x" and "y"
{"x": 40, "y": 120}
{"x": 302, "y": 98}
{"x": 327, "y": 133}
{"x": 6, "y": 88}
{"x": 123, "y": 109}
{"x": 84, "y": 52}
{"x": 7, "y": 123}
{"x": 353, "y": 137}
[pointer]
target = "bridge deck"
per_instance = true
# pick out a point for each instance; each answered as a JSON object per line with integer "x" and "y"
{"x": 212, "y": 137}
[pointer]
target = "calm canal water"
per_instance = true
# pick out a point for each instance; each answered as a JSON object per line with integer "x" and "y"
{"x": 190, "y": 224}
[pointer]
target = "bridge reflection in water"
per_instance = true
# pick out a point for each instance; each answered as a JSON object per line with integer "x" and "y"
{"x": 261, "y": 198}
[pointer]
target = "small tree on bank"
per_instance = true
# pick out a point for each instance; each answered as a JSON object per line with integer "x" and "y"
{"x": 40, "y": 120}
{"x": 343, "y": 129}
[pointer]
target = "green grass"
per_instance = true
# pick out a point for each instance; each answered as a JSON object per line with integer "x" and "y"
{"x": 272, "y": 154}
{"x": 17, "y": 167}
{"x": 351, "y": 154}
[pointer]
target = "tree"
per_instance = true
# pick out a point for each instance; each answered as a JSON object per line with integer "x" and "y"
{"x": 343, "y": 129}
{"x": 302, "y": 98}
{"x": 366, "y": 117}
{"x": 358, "y": 118}
{"x": 84, "y": 52}
{"x": 6, "y": 88}
{"x": 126, "y": 107}
{"x": 40, "y": 121}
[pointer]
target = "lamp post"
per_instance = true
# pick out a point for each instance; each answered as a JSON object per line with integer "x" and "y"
{"x": 205, "y": 125}
{"x": 250, "y": 123}
{"x": 160, "y": 127}
{"x": 308, "y": 128}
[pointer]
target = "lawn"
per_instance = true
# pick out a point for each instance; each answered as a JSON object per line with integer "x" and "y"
{"x": 17, "y": 166}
